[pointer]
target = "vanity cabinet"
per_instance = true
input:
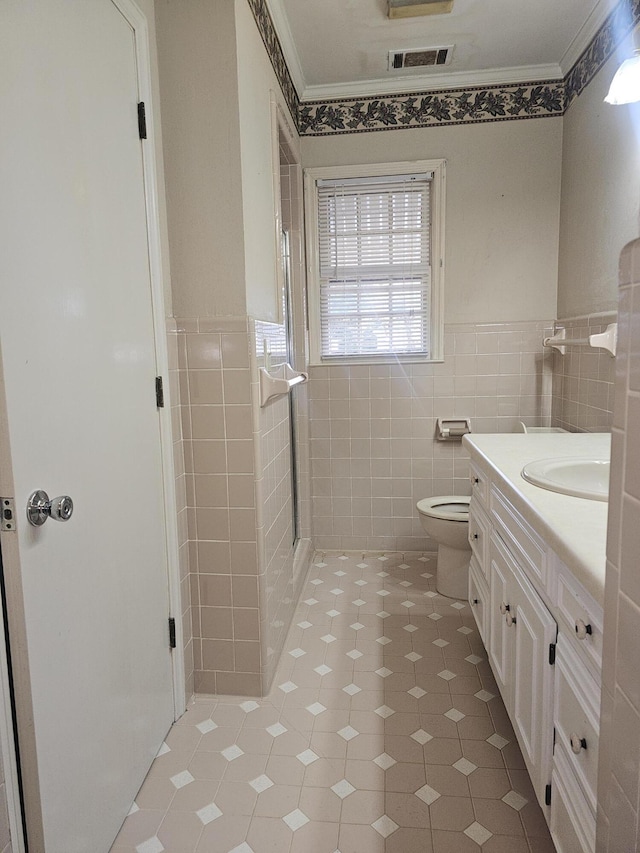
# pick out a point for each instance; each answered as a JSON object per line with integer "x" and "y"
{"x": 543, "y": 634}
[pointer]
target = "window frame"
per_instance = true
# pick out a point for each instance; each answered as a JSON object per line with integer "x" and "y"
{"x": 436, "y": 317}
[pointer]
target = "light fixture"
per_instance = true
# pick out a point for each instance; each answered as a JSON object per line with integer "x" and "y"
{"x": 416, "y": 8}
{"x": 625, "y": 86}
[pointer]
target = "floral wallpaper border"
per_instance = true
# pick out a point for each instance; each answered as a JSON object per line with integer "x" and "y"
{"x": 427, "y": 109}
{"x": 467, "y": 105}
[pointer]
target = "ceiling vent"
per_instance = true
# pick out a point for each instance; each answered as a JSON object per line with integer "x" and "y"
{"x": 415, "y": 8}
{"x": 422, "y": 57}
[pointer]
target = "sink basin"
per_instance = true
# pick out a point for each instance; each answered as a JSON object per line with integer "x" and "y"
{"x": 571, "y": 475}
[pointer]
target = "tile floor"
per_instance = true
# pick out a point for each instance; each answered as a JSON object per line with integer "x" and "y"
{"x": 384, "y": 731}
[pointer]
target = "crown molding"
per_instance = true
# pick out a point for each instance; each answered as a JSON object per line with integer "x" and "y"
{"x": 283, "y": 31}
{"x": 490, "y": 77}
{"x": 586, "y": 35}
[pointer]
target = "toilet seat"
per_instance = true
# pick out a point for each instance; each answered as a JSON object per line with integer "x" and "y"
{"x": 447, "y": 507}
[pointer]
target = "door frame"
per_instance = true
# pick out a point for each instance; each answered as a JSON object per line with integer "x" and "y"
{"x": 22, "y": 804}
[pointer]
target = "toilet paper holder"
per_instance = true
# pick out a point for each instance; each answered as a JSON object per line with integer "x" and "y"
{"x": 450, "y": 429}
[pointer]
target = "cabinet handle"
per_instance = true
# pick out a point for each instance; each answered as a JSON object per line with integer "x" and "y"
{"x": 510, "y": 619}
{"x": 504, "y": 608}
{"x": 475, "y": 536}
{"x": 475, "y": 480}
{"x": 582, "y": 629}
{"x": 577, "y": 743}
{"x": 474, "y": 600}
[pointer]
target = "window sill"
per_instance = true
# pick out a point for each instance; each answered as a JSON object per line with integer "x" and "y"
{"x": 354, "y": 361}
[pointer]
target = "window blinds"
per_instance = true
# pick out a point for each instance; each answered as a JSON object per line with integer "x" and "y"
{"x": 375, "y": 274}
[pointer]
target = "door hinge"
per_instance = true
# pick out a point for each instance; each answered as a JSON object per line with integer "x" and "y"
{"x": 159, "y": 392}
{"x": 172, "y": 632}
{"x": 8, "y": 521}
{"x": 142, "y": 121}
{"x": 552, "y": 653}
{"x": 547, "y": 795}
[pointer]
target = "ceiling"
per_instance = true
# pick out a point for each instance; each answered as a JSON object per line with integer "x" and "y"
{"x": 339, "y": 48}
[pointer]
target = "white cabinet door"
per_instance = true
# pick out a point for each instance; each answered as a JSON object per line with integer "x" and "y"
{"x": 521, "y": 631}
{"x": 532, "y": 709}
{"x": 499, "y": 635}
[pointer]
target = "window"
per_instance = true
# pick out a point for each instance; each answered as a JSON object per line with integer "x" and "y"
{"x": 375, "y": 249}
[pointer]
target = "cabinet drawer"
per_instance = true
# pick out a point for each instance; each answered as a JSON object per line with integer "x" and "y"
{"x": 572, "y": 824}
{"x": 479, "y": 599}
{"x": 479, "y": 485}
{"x": 520, "y": 537}
{"x": 576, "y": 718}
{"x": 479, "y": 536}
{"x": 581, "y": 616}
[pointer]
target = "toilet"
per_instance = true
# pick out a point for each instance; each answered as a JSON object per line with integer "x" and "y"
{"x": 446, "y": 520}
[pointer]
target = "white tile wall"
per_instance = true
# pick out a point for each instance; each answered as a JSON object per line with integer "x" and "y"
{"x": 373, "y": 447}
{"x": 583, "y": 379}
{"x": 619, "y": 759}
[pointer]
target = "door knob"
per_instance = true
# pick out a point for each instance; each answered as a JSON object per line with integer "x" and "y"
{"x": 40, "y": 508}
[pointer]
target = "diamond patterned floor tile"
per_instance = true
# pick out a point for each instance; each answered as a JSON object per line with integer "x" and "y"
{"x": 385, "y": 826}
{"x": 297, "y": 653}
{"x": 342, "y": 789}
{"x": 515, "y": 800}
{"x": 422, "y": 737}
{"x": 447, "y": 674}
{"x": 455, "y": 715}
{"x": 427, "y": 794}
{"x": 276, "y": 730}
{"x": 478, "y": 833}
{"x": 232, "y": 752}
{"x": 206, "y": 726}
{"x": 315, "y": 748}
{"x": 151, "y": 845}
{"x": 465, "y": 767}
{"x": 262, "y": 783}
{"x": 295, "y": 820}
{"x": 385, "y": 761}
{"x": 384, "y": 711}
{"x": 348, "y": 733}
{"x": 209, "y": 813}
{"x": 185, "y": 778}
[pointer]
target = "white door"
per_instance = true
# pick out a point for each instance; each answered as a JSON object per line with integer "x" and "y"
{"x": 77, "y": 340}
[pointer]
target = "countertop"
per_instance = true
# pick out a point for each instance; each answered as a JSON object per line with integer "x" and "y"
{"x": 575, "y": 528}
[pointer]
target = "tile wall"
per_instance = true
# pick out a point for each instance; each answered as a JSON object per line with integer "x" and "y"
{"x": 234, "y": 494}
{"x": 181, "y": 502}
{"x": 583, "y": 379}
{"x": 619, "y": 758}
{"x": 217, "y": 430}
{"x": 373, "y": 447}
